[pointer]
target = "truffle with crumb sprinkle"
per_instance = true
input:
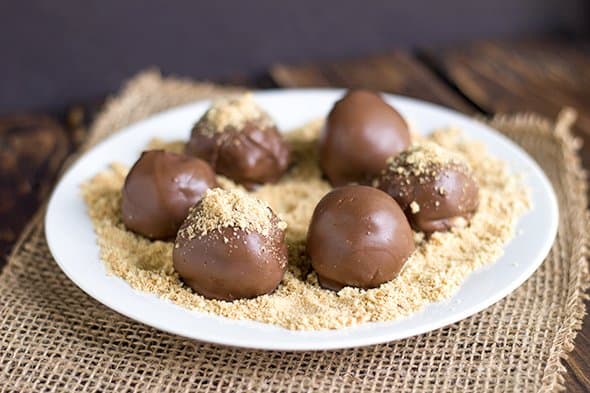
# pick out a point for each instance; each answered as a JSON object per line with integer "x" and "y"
{"x": 231, "y": 246}
{"x": 433, "y": 186}
{"x": 240, "y": 141}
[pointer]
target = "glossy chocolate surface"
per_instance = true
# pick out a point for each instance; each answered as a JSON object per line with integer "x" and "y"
{"x": 253, "y": 155}
{"x": 362, "y": 131}
{"x": 159, "y": 190}
{"x": 358, "y": 236}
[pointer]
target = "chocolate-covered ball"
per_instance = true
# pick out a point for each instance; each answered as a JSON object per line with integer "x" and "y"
{"x": 358, "y": 236}
{"x": 362, "y": 131}
{"x": 159, "y": 189}
{"x": 240, "y": 141}
{"x": 434, "y": 187}
{"x": 231, "y": 246}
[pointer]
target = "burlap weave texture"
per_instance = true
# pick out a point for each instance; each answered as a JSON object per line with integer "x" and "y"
{"x": 53, "y": 337}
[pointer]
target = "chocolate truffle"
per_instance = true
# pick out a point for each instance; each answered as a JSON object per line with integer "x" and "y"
{"x": 231, "y": 246}
{"x": 358, "y": 236}
{"x": 240, "y": 141}
{"x": 433, "y": 186}
{"x": 362, "y": 131}
{"x": 159, "y": 190}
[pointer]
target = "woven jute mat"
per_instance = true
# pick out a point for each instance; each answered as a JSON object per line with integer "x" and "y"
{"x": 53, "y": 337}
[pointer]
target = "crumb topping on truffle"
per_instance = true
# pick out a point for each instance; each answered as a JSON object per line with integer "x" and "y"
{"x": 229, "y": 208}
{"x": 233, "y": 113}
{"x": 414, "y": 207}
{"x": 425, "y": 160}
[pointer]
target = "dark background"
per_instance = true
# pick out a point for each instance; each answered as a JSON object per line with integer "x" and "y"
{"x": 55, "y": 53}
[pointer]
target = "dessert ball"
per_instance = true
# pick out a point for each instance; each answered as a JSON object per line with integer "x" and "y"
{"x": 231, "y": 246}
{"x": 159, "y": 190}
{"x": 433, "y": 186}
{"x": 240, "y": 141}
{"x": 358, "y": 236}
{"x": 362, "y": 131}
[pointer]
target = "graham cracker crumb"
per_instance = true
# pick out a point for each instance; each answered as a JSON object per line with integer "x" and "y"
{"x": 424, "y": 159}
{"x": 172, "y": 147}
{"x": 233, "y": 113}
{"x": 229, "y": 208}
{"x": 433, "y": 273}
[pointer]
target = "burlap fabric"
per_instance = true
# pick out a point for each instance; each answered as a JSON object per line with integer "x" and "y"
{"x": 53, "y": 337}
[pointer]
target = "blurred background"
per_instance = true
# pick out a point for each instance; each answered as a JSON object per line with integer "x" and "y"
{"x": 56, "y": 53}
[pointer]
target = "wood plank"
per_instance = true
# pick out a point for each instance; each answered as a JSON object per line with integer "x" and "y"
{"x": 32, "y": 148}
{"x": 530, "y": 75}
{"x": 396, "y": 72}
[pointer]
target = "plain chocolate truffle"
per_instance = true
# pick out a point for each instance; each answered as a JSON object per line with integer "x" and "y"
{"x": 362, "y": 131}
{"x": 240, "y": 141}
{"x": 433, "y": 186}
{"x": 231, "y": 246}
{"x": 358, "y": 236}
{"x": 159, "y": 189}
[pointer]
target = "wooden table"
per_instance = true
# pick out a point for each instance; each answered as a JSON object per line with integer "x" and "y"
{"x": 537, "y": 75}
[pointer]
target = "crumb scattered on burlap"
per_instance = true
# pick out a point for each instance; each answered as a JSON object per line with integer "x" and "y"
{"x": 433, "y": 273}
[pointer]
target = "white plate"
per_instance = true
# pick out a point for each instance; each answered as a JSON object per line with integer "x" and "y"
{"x": 72, "y": 240}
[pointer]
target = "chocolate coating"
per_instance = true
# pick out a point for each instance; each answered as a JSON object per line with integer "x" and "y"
{"x": 358, "y": 236}
{"x": 437, "y": 197}
{"x": 230, "y": 263}
{"x": 252, "y": 154}
{"x": 362, "y": 131}
{"x": 159, "y": 190}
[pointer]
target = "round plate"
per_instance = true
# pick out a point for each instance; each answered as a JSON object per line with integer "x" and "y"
{"x": 72, "y": 240}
